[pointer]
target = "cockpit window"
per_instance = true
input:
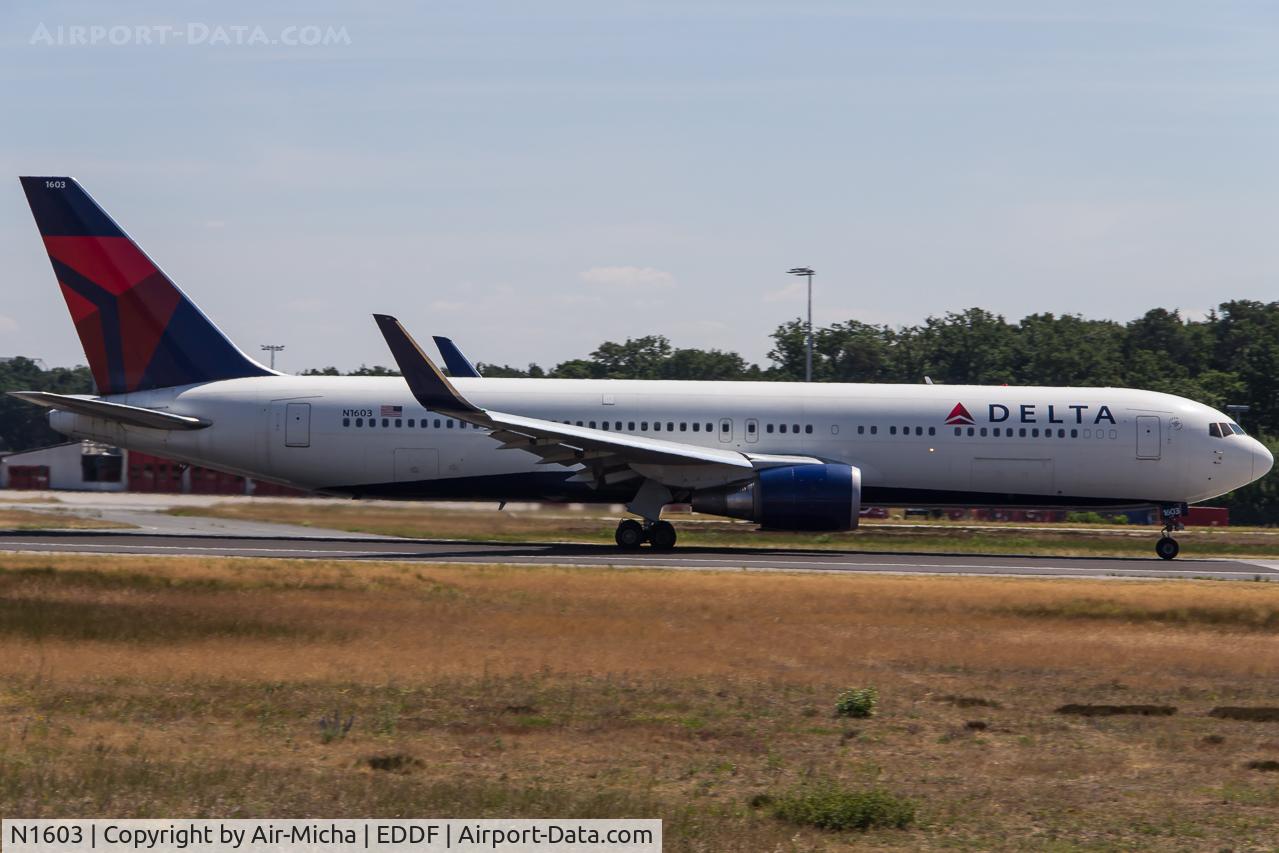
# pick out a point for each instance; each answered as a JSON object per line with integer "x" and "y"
{"x": 1238, "y": 429}
{"x": 1214, "y": 430}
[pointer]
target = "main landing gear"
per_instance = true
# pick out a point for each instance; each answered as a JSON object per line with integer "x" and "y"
{"x": 631, "y": 534}
{"x": 1167, "y": 547}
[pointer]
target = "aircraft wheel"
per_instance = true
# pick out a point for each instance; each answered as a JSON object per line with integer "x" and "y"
{"x": 662, "y": 535}
{"x": 1167, "y": 548}
{"x": 629, "y": 535}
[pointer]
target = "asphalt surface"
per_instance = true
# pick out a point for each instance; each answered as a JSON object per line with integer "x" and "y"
{"x": 350, "y": 547}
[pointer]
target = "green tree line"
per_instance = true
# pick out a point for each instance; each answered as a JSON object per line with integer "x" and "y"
{"x": 1229, "y": 357}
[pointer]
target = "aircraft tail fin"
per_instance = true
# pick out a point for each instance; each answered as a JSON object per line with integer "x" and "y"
{"x": 139, "y": 331}
{"x": 457, "y": 363}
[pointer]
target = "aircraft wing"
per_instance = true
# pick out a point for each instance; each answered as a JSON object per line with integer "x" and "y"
{"x": 95, "y": 408}
{"x": 605, "y": 456}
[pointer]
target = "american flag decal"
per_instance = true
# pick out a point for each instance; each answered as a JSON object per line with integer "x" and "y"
{"x": 392, "y": 411}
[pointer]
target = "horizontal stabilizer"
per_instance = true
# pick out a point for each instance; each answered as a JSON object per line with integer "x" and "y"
{"x": 130, "y": 415}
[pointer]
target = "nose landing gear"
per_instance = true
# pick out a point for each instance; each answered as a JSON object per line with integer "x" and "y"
{"x": 631, "y": 534}
{"x": 1167, "y": 547}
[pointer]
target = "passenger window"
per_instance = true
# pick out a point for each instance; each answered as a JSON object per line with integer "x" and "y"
{"x": 605, "y": 426}
{"x": 449, "y": 423}
{"x": 670, "y": 426}
{"x": 971, "y": 431}
{"x": 834, "y": 429}
{"x": 892, "y": 430}
{"x": 959, "y": 431}
{"x": 1114, "y": 434}
{"x": 643, "y": 426}
{"x": 750, "y": 427}
{"x": 994, "y": 431}
{"x": 657, "y": 426}
{"x": 372, "y": 422}
{"x": 983, "y": 432}
{"x": 1021, "y": 433}
{"x": 794, "y": 428}
{"x": 412, "y": 422}
{"x": 781, "y": 428}
{"x": 768, "y": 428}
{"x": 617, "y": 425}
{"x": 359, "y": 422}
{"x": 874, "y": 430}
{"x": 861, "y": 429}
{"x": 579, "y": 423}
{"x": 808, "y": 429}
{"x": 683, "y": 426}
{"x": 1034, "y": 433}
{"x": 1061, "y": 433}
{"x": 346, "y": 422}
{"x": 399, "y": 423}
{"x": 630, "y": 426}
{"x": 386, "y": 422}
{"x": 932, "y": 430}
{"x": 1074, "y": 433}
{"x": 592, "y": 424}
{"x": 697, "y": 427}
{"x": 710, "y": 427}
{"x": 723, "y": 427}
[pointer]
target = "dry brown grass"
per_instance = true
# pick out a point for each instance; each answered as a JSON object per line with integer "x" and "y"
{"x": 593, "y": 692}
{"x": 559, "y": 524}
{"x": 25, "y": 519}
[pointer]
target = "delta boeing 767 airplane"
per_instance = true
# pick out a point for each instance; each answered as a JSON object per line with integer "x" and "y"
{"x": 793, "y": 456}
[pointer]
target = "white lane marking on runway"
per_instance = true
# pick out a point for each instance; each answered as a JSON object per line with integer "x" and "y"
{"x": 125, "y": 549}
{"x": 639, "y": 562}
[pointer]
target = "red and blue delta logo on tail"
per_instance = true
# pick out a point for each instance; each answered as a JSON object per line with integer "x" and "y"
{"x": 139, "y": 331}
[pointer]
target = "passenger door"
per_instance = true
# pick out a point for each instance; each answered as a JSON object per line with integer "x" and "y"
{"x": 1148, "y": 436}
{"x": 297, "y": 425}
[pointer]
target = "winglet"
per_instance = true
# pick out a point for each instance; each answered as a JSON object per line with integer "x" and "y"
{"x": 458, "y": 364}
{"x": 431, "y": 388}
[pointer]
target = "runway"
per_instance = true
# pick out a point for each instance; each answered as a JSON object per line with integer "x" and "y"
{"x": 543, "y": 554}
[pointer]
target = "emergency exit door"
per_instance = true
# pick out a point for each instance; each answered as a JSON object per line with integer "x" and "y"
{"x": 1148, "y": 437}
{"x": 297, "y": 425}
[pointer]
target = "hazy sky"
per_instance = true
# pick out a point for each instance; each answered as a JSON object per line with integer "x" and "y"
{"x": 534, "y": 178}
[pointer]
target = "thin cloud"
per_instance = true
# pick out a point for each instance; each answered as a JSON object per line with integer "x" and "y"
{"x": 627, "y": 277}
{"x": 794, "y": 290}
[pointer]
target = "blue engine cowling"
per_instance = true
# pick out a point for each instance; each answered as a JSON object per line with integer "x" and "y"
{"x": 792, "y": 497}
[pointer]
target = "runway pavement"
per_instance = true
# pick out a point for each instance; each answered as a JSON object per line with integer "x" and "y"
{"x": 349, "y": 547}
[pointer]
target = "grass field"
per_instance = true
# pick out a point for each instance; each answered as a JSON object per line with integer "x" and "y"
{"x": 193, "y": 687}
{"x": 23, "y": 519}
{"x": 558, "y": 524}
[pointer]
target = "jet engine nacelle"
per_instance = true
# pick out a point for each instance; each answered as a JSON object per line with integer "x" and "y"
{"x": 793, "y": 497}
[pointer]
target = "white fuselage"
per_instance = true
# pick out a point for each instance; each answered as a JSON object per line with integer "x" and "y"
{"x": 1028, "y": 445}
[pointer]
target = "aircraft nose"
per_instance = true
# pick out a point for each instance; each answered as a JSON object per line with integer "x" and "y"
{"x": 1262, "y": 460}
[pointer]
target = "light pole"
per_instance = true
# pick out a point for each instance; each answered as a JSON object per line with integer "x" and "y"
{"x": 808, "y": 273}
{"x": 1236, "y": 409}
{"x": 273, "y": 349}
